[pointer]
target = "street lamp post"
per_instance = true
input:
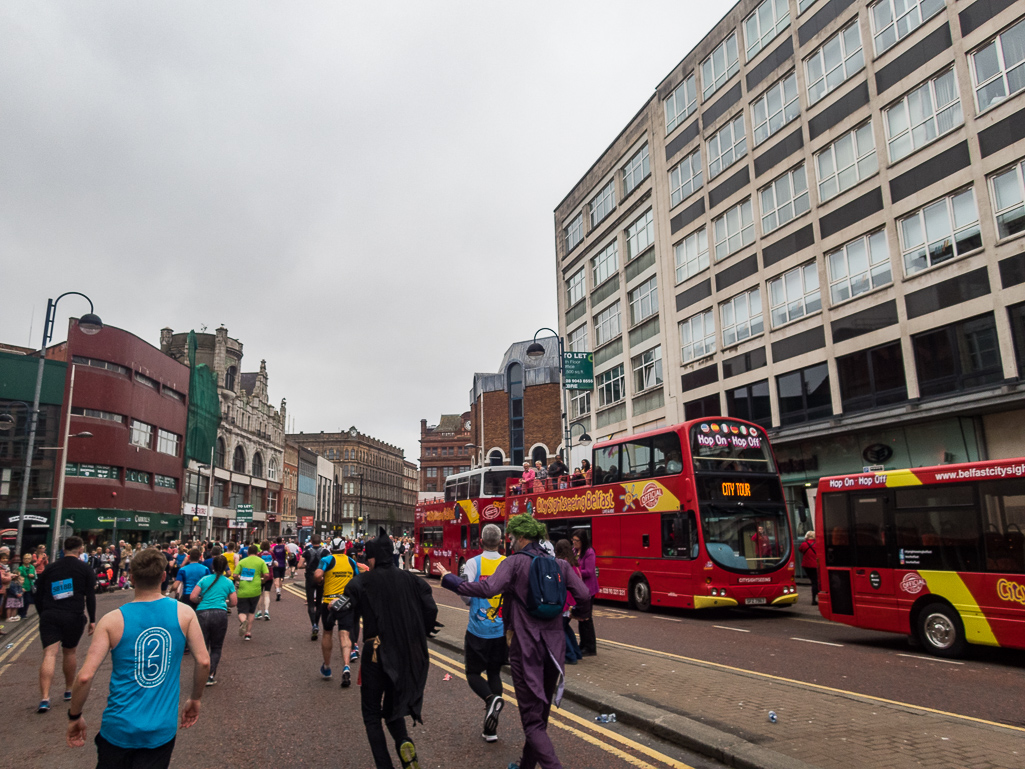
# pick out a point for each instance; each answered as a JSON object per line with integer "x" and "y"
{"x": 585, "y": 440}
{"x": 536, "y": 350}
{"x": 88, "y": 324}
{"x": 360, "y": 476}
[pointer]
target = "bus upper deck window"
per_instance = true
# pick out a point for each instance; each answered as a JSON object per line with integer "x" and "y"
{"x": 474, "y": 486}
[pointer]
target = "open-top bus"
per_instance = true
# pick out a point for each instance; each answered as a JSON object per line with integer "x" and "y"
{"x": 690, "y": 516}
{"x": 933, "y": 552}
{"x": 447, "y": 530}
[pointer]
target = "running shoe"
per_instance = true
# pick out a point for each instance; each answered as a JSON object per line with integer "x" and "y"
{"x": 495, "y": 705}
{"x": 279, "y": 595}
{"x": 67, "y": 696}
{"x": 266, "y": 616}
{"x": 210, "y": 681}
{"x": 249, "y": 637}
{"x": 258, "y": 615}
{"x": 44, "y": 707}
{"x": 407, "y": 755}
{"x": 325, "y": 672}
{"x": 346, "y": 677}
{"x": 314, "y": 633}
{"x": 355, "y": 653}
{"x": 15, "y": 618}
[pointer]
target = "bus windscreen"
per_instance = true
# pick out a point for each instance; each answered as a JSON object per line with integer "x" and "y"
{"x": 724, "y": 446}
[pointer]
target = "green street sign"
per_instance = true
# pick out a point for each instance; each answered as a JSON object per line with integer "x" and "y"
{"x": 244, "y": 513}
{"x": 579, "y": 370}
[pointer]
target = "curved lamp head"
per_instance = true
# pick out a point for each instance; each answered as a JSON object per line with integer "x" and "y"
{"x": 535, "y": 350}
{"x": 7, "y": 423}
{"x": 584, "y": 439}
{"x": 90, "y": 324}
{"x": 85, "y": 434}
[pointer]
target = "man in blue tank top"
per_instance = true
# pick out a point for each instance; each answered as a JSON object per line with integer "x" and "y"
{"x": 146, "y": 640}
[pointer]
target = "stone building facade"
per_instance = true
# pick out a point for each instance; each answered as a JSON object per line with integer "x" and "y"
{"x": 290, "y": 487}
{"x": 444, "y": 450}
{"x": 516, "y": 413}
{"x": 249, "y": 453}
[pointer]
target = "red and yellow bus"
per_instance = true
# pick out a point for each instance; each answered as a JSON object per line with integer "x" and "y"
{"x": 690, "y": 516}
{"x": 447, "y": 530}
{"x": 933, "y": 552}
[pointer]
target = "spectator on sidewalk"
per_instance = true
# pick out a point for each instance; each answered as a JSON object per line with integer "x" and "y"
{"x": 810, "y": 563}
{"x": 589, "y": 574}
{"x": 537, "y": 647}
{"x": 564, "y": 552}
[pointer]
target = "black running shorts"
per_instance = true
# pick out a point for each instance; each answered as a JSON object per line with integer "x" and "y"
{"x": 63, "y": 626}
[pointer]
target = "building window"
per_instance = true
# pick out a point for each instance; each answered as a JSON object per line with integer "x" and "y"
{"x": 256, "y": 498}
{"x": 1016, "y": 314}
{"x": 768, "y": 20}
{"x": 272, "y": 501}
{"x": 636, "y": 170}
{"x": 603, "y": 203}
{"x": 804, "y": 5}
{"x": 794, "y": 294}
{"x": 893, "y": 20}
{"x": 258, "y": 465}
{"x": 685, "y": 178}
{"x": 734, "y": 230}
{"x": 1008, "y": 201}
{"x": 701, "y": 408}
{"x": 926, "y": 113}
{"x": 574, "y": 232}
{"x": 229, "y": 378}
{"x": 940, "y": 231}
{"x": 174, "y": 394}
{"x": 872, "y": 378}
{"x": 238, "y": 462}
{"x": 168, "y": 442}
{"x": 846, "y": 162}
{"x": 958, "y": 357}
{"x": 804, "y": 395}
{"x": 142, "y": 434}
{"x": 577, "y": 339}
{"x": 741, "y": 317}
{"x": 647, "y": 369}
{"x": 137, "y": 476}
{"x": 607, "y": 325}
{"x": 858, "y": 267}
{"x": 514, "y": 378}
{"x": 775, "y": 108}
{"x": 720, "y": 66}
{"x": 784, "y": 199}
{"x": 692, "y": 255}
{"x": 579, "y": 403}
{"x": 237, "y": 496}
{"x": 680, "y": 103}
{"x": 640, "y": 235}
{"x": 432, "y": 472}
{"x": 727, "y": 146}
{"x": 78, "y": 411}
{"x": 998, "y": 69}
{"x": 95, "y": 363}
{"x": 697, "y": 336}
{"x": 644, "y": 300}
{"x": 146, "y": 381}
{"x": 751, "y": 402}
{"x": 609, "y": 385}
{"x": 835, "y": 61}
{"x": 219, "y": 452}
{"x": 605, "y": 264}
{"x": 575, "y": 287}
{"x": 272, "y": 469}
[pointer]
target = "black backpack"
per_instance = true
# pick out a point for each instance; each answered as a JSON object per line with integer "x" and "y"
{"x": 546, "y": 590}
{"x": 312, "y": 557}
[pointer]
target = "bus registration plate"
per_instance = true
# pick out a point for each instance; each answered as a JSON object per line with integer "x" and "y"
{"x": 753, "y": 601}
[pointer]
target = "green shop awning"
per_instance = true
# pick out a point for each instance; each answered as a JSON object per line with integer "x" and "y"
{"x": 91, "y": 518}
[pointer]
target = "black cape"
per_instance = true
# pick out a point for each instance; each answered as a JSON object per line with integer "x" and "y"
{"x": 399, "y": 609}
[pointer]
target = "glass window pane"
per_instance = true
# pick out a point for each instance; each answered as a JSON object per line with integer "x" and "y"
{"x": 937, "y": 221}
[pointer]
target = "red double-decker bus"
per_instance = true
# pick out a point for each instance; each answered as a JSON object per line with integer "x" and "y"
{"x": 447, "y": 530}
{"x": 933, "y": 552}
{"x": 691, "y": 516}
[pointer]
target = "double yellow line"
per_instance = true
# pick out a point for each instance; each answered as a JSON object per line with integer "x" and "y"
{"x": 10, "y": 656}
{"x": 596, "y": 735}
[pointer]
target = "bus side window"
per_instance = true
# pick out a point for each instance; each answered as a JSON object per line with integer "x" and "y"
{"x": 462, "y": 536}
{"x": 462, "y": 489}
{"x": 837, "y": 532}
{"x": 474, "y": 487}
{"x": 666, "y": 453}
{"x": 606, "y": 465}
{"x": 1003, "y": 518}
{"x": 679, "y": 535}
{"x": 870, "y": 545}
{"x": 474, "y": 535}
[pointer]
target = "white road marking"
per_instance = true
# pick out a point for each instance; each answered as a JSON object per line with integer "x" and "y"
{"x": 810, "y": 641}
{"x": 929, "y": 659}
{"x": 667, "y": 619}
{"x": 734, "y": 629}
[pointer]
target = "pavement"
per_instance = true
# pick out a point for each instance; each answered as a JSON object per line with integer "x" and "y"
{"x": 723, "y": 712}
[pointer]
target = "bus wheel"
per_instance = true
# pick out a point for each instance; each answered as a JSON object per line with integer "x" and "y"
{"x": 640, "y": 594}
{"x": 427, "y": 566}
{"x": 941, "y": 631}
{"x": 462, "y": 568}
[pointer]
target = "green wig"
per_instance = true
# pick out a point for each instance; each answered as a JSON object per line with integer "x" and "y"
{"x": 526, "y": 526}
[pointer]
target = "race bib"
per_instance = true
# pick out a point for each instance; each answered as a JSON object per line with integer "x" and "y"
{"x": 247, "y": 575}
{"x": 62, "y": 589}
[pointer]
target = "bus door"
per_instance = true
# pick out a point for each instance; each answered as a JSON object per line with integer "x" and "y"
{"x": 839, "y": 553}
{"x": 874, "y": 600}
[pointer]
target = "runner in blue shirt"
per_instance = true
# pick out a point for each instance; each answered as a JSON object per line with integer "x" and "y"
{"x": 213, "y": 594}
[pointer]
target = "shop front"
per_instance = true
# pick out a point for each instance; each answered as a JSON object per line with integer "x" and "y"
{"x": 98, "y": 527}
{"x": 35, "y": 532}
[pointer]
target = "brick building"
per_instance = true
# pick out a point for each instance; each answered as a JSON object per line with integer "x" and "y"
{"x": 444, "y": 450}
{"x": 289, "y": 488}
{"x": 516, "y": 413}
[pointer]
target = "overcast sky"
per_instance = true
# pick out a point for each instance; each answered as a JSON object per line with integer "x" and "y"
{"x": 361, "y": 192}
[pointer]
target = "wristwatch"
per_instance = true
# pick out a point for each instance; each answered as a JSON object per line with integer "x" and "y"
{"x": 72, "y": 716}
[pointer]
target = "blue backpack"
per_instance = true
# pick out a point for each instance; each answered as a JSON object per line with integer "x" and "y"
{"x": 546, "y": 590}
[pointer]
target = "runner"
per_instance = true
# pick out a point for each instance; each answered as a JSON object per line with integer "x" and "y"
{"x": 310, "y": 560}
{"x": 268, "y": 559}
{"x": 140, "y": 722}
{"x": 335, "y": 571}
{"x": 280, "y": 555}
{"x": 212, "y": 596}
{"x": 64, "y": 590}
{"x": 251, "y": 572}
{"x": 293, "y": 555}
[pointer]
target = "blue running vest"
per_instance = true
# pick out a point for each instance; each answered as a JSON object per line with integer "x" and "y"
{"x": 485, "y": 613}
{"x": 142, "y": 708}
